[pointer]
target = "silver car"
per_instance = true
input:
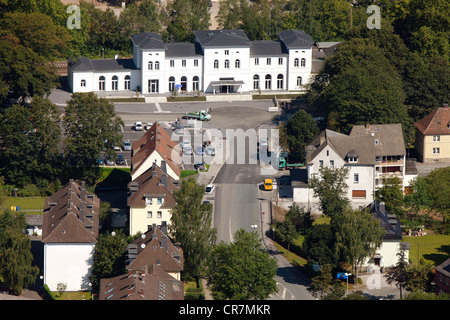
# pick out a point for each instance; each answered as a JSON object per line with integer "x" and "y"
{"x": 127, "y": 145}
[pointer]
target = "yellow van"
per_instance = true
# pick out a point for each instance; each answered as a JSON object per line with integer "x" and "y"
{"x": 268, "y": 184}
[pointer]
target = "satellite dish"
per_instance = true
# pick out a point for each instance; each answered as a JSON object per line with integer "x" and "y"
{"x": 143, "y": 236}
{"x": 143, "y": 245}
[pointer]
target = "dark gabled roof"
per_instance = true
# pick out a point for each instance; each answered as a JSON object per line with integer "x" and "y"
{"x": 444, "y": 268}
{"x": 437, "y": 122}
{"x": 84, "y": 64}
{"x": 267, "y": 48}
{"x": 154, "y": 181}
{"x": 296, "y": 39}
{"x": 389, "y": 222}
{"x": 71, "y": 215}
{"x": 183, "y": 49}
{"x": 222, "y": 38}
{"x": 152, "y": 283}
{"x": 148, "y": 41}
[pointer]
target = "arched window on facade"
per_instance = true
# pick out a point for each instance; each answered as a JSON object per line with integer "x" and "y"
{"x": 172, "y": 84}
{"x": 195, "y": 81}
{"x": 127, "y": 82}
{"x": 115, "y": 83}
{"x": 237, "y": 64}
{"x": 183, "y": 83}
{"x": 303, "y": 63}
{"x": 299, "y": 81}
{"x": 150, "y": 65}
{"x": 280, "y": 81}
{"x": 268, "y": 82}
{"x": 296, "y": 62}
{"x": 101, "y": 83}
{"x": 83, "y": 83}
{"x": 227, "y": 64}
{"x": 255, "y": 82}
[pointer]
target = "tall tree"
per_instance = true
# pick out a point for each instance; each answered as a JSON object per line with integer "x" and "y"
{"x": 91, "y": 125}
{"x": 298, "y": 132}
{"x": 109, "y": 257}
{"x": 241, "y": 270}
{"x": 398, "y": 274}
{"x": 319, "y": 245}
{"x": 331, "y": 189}
{"x": 15, "y": 253}
{"x": 30, "y": 138}
{"x": 191, "y": 226}
{"x": 358, "y": 236}
{"x": 23, "y": 73}
{"x": 38, "y": 32}
{"x": 392, "y": 195}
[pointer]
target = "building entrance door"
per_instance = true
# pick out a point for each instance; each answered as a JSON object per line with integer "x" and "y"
{"x": 153, "y": 86}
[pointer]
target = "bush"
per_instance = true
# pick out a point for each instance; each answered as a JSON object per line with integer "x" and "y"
{"x": 47, "y": 294}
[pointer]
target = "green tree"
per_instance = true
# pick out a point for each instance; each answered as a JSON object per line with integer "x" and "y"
{"x": 286, "y": 231}
{"x": 320, "y": 245}
{"x": 418, "y": 198}
{"x": 392, "y": 195}
{"x": 30, "y": 138}
{"x": 321, "y": 284}
{"x": 23, "y": 73}
{"x": 109, "y": 257}
{"x": 331, "y": 189}
{"x": 398, "y": 274}
{"x": 420, "y": 277}
{"x": 183, "y": 17}
{"x": 38, "y": 32}
{"x": 438, "y": 185}
{"x": 241, "y": 270}
{"x": 299, "y": 132}
{"x": 299, "y": 218}
{"x": 90, "y": 125}
{"x": 358, "y": 236}
{"x": 15, "y": 253}
{"x": 191, "y": 226}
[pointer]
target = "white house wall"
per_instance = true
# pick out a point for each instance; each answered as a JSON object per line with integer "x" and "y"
{"x": 69, "y": 264}
{"x": 147, "y": 163}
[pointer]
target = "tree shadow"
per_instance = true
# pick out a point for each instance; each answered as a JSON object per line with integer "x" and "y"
{"x": 439, "y": 258}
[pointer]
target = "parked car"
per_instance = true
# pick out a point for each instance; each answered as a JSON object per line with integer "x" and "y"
{"x": 117, "y": 148}
{"x": 187, "y": 150}
{"x": 120, "y": 159}
{"x": 268, "y": 184}
{"x": 199, "y": 150}
{"x": 210, "y": 151}
{"x": 138, "y": 126}
{"x": 148, "y": 125}
{"x": 127, "y": 145}
{"x": 109, "y": 162}
{"x": 179, "y": 130}
{"x": 200, "y": 165}
{"x": 209, "y": 189}
{"x": 210, "y": 4}
{"x": 185, "y": 143}
{"x": 99, "y": 161}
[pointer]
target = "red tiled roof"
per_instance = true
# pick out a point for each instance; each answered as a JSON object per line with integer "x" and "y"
{"x": 156, "y": 138}
{"x": 437, "y": 122}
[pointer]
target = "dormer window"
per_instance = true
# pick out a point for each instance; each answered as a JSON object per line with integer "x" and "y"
{"x": 148, "y": 201}
{"x": 353, "y": 159}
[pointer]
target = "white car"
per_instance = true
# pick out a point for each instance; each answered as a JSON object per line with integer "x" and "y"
{"x": 185, "y": 143}
{"x": 138, "y": 126}
{"x": 209, "y": 189}
{"x": 148, "y": 125}
{"x": 187, "y": 150}
{"x": 117, "y": 148}
{"x": 127, "y": 145}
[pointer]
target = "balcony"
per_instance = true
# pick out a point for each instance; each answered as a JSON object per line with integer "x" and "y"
{"x": 390, "y": 160}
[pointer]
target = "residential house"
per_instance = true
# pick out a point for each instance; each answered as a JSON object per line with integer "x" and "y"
{"x": 150, "y": 199}
{"x": 371, "y": 153}
{"x": 218, "y": 61}
{"x": 69, "y": 233}
{"x": 155, "y": 146}
{"x": 433, "y": 136}
{"x": 154, "y": 270}
{"x": 386, "y": 254}
{"x": 442, "y": 277}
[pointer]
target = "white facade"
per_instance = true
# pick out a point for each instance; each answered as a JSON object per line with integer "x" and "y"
{"x": 69, "y": 264}
{"x": 227, "y": 62}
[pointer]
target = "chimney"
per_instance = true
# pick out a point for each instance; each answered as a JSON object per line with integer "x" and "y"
{"x": 445, "y": 106}
{"x": 382, "y": 208}
{"x": 164, "y": 180}
{"x": 164, "y": 242}
{"x": 367, "y": 126}
{"x": 163, "y": 166}
{"x": 164, "y": 227}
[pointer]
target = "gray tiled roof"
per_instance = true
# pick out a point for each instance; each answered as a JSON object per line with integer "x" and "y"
{"x": 183, "y": 49}
{"x": 149, "y": 40}
{"x": 389, "y": 222}
{"x": 222, "y": 38}
{"x": 267, "y": 48}
{"x": 296, "y": 39}
{"x": 361, "y": 141}
{"x": 84, "y": 64}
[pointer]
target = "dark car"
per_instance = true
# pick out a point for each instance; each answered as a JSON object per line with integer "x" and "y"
{"x": 200, "y": 166}
{"x": 120, "y": 159}
{"x": 210, "y": 4}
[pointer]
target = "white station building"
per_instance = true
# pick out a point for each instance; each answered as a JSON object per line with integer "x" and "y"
{"x": 219, "y": 61}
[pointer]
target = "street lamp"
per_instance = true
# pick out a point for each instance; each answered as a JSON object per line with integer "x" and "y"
{"x": 347, "y": 275}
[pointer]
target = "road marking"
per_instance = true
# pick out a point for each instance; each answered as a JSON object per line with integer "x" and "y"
{"x": 158, "y": 107}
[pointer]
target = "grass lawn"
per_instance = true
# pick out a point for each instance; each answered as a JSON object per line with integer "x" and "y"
{"x": 27, "y": 203}
{"x": 432, "y": 248}
{"x": 114, "y": 178}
